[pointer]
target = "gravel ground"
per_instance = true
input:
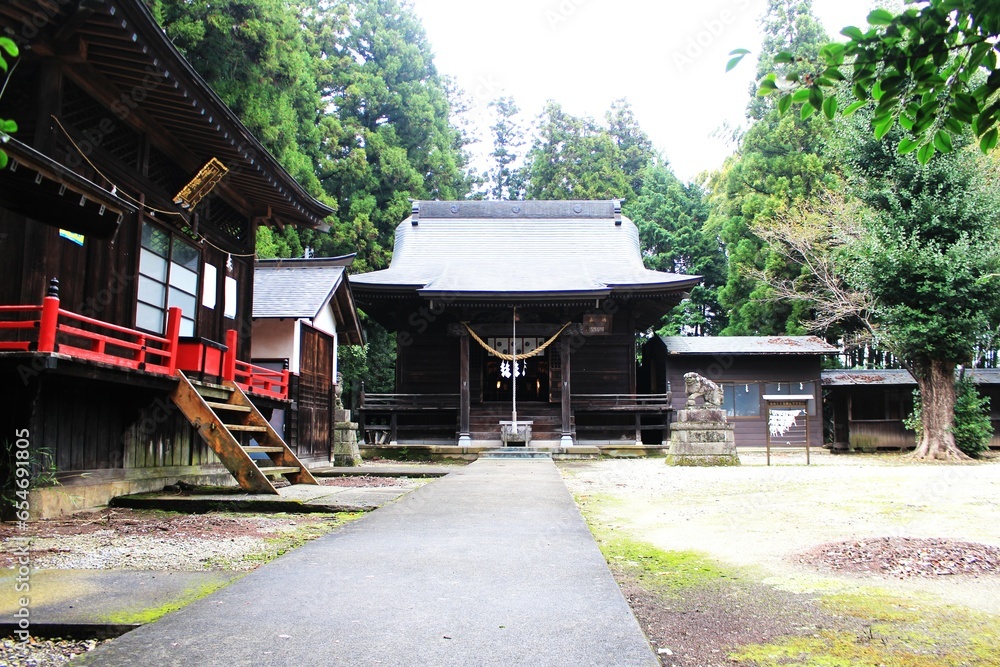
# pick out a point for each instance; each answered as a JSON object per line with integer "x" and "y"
{"x": 366, "y": 481}
{"x": 843, "y": 522}
{"x": 123, "y": 539}
{"x": 44, "y": 652}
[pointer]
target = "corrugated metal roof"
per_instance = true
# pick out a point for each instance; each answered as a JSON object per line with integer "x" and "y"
{"x": 530, "y": 248}
{"x": 896, "y": 376}
{"x": 293, "y": 291}
{"x": 747, "y": 345}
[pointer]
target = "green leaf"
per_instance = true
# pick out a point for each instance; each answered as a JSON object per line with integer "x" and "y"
{"x": 9, "y": 45}
{"x": 907, "y": 146}
{"x": 861, "y": 92}
{"x": 835, "y": 74}
{"x": 942, "y": 141}
{"x": 3, "y": 64}
{"x": 766, "y": 87}
{"x": 853, "y": 106}
{"x": 925, "y": 153}
{"x": 880, "y": 17}
{"x": 8, "y": 126}
{"x": 882, "y": 127}
{"x": 3, "y": 160}
{"x": 784, "y": 57}
{"x": 852, "y": 32}
{"x": 989, "y": 141}
{"x": 816, "y": 97}
{"x": 807, "y": 110}
{"x": 733, "y": 62}
{"x": 801, "y": 95}
{"x": 954, "y": 126}
{"x": 830, "y": 107}
{"x": 784, "y": 103}
{"x": 905, "y": 122}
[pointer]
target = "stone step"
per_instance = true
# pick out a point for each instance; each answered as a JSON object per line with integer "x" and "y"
{"x": 514, "y": 453}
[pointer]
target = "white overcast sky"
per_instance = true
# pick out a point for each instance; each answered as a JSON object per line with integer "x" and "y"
{"x": 667, "y": 58}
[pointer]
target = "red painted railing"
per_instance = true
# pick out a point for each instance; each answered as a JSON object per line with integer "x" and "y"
{"x": 64, "y": 332}
{"x": 252, "y": 379}
{"x": 18, "y": 324}
{"x": 53, "y": 329}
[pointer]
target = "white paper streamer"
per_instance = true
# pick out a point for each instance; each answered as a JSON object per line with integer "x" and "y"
{"x": 779, "y": 422}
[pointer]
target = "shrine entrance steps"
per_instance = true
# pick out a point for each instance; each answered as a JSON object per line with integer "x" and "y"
{"x": 515, "y": 453}
{"x": 545, "y": 418}
{"x": 239, "y": 435}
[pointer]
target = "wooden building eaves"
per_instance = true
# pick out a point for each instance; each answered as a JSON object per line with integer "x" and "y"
{"x": 43, "y": 185}
{"x": 121, "y": 41}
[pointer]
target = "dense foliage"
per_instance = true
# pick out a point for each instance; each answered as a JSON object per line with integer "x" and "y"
{"x": 780, "y": 163}
{"x": 931, "y": 69}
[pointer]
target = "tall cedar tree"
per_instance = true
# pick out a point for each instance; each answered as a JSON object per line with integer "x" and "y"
{"x": 780, "y": 162}
{"x": 671, "y": 218}
{"x": 505, "y": 178}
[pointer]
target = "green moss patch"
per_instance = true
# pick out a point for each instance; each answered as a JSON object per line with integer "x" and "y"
{"x": 143, "y": 616}
{"x": 893, "y": 631}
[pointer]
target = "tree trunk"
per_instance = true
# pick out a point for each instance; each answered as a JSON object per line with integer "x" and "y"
{"x": 936, "y": 381}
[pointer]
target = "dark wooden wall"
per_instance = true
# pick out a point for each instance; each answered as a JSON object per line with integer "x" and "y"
{"x": 88, "y": 424}
{"x": 603, "y": 365}
{"x": 429, "y": 364}
{"x": 756, "y": 369}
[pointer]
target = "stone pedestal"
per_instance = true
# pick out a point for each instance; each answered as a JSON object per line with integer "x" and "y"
{"x": 519, "y": 437}
{"x": 345, "y": 440}
{"x": 702, "y": 437}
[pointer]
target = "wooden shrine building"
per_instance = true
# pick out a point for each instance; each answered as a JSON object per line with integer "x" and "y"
{"x": 303, "y": 310}
{"x": 759, "y": 375}
{"x": 569, "y": 272}
{"x": 128, "y": 218}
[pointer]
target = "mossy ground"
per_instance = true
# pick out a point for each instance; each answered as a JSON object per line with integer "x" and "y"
{"x": 143, "y": 616}
{"x": 285, "y": 541}
{"x": 895, "y": 632}
{"x": 841, "y": 624}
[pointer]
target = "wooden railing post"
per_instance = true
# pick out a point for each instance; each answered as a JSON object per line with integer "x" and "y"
{"x": 173, "y": 337}
{"x": 49, "y": 323}
{"x": 229, "y": 358}
{"x": 285, "y": 380}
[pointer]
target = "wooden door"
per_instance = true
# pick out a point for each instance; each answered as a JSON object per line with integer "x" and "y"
{"x": 315, "y": 400}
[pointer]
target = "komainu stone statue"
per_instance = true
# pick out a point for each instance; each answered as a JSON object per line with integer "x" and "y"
{"x": 696, "y": 385}
{"x": 700, "y": 434}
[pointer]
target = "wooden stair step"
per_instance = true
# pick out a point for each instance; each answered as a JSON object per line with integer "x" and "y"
{"x": 229, "y": 406}
{"x": 250, "y": 449}
{"x": 246, "y": 429}
{"x": 279, "y": 470}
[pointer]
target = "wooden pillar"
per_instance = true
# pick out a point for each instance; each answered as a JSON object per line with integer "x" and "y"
{"x": 567, "y": 429}
{"x": 464, "y": 437}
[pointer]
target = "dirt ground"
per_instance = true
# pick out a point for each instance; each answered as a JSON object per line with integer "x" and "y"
{"x": 833, "y": 553}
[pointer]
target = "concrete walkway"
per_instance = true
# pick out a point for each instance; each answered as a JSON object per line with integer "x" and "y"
{"x": 492, "y": 565}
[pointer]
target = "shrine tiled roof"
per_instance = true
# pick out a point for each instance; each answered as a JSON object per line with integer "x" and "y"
{"x": 896, "y": 376}
{"x": 519, "y": 248}
{"x": 301, "y": 288}
{"x": 747, "y": 345}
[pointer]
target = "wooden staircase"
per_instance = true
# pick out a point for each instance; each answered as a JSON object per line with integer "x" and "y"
{"x": 227, "y": 420}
